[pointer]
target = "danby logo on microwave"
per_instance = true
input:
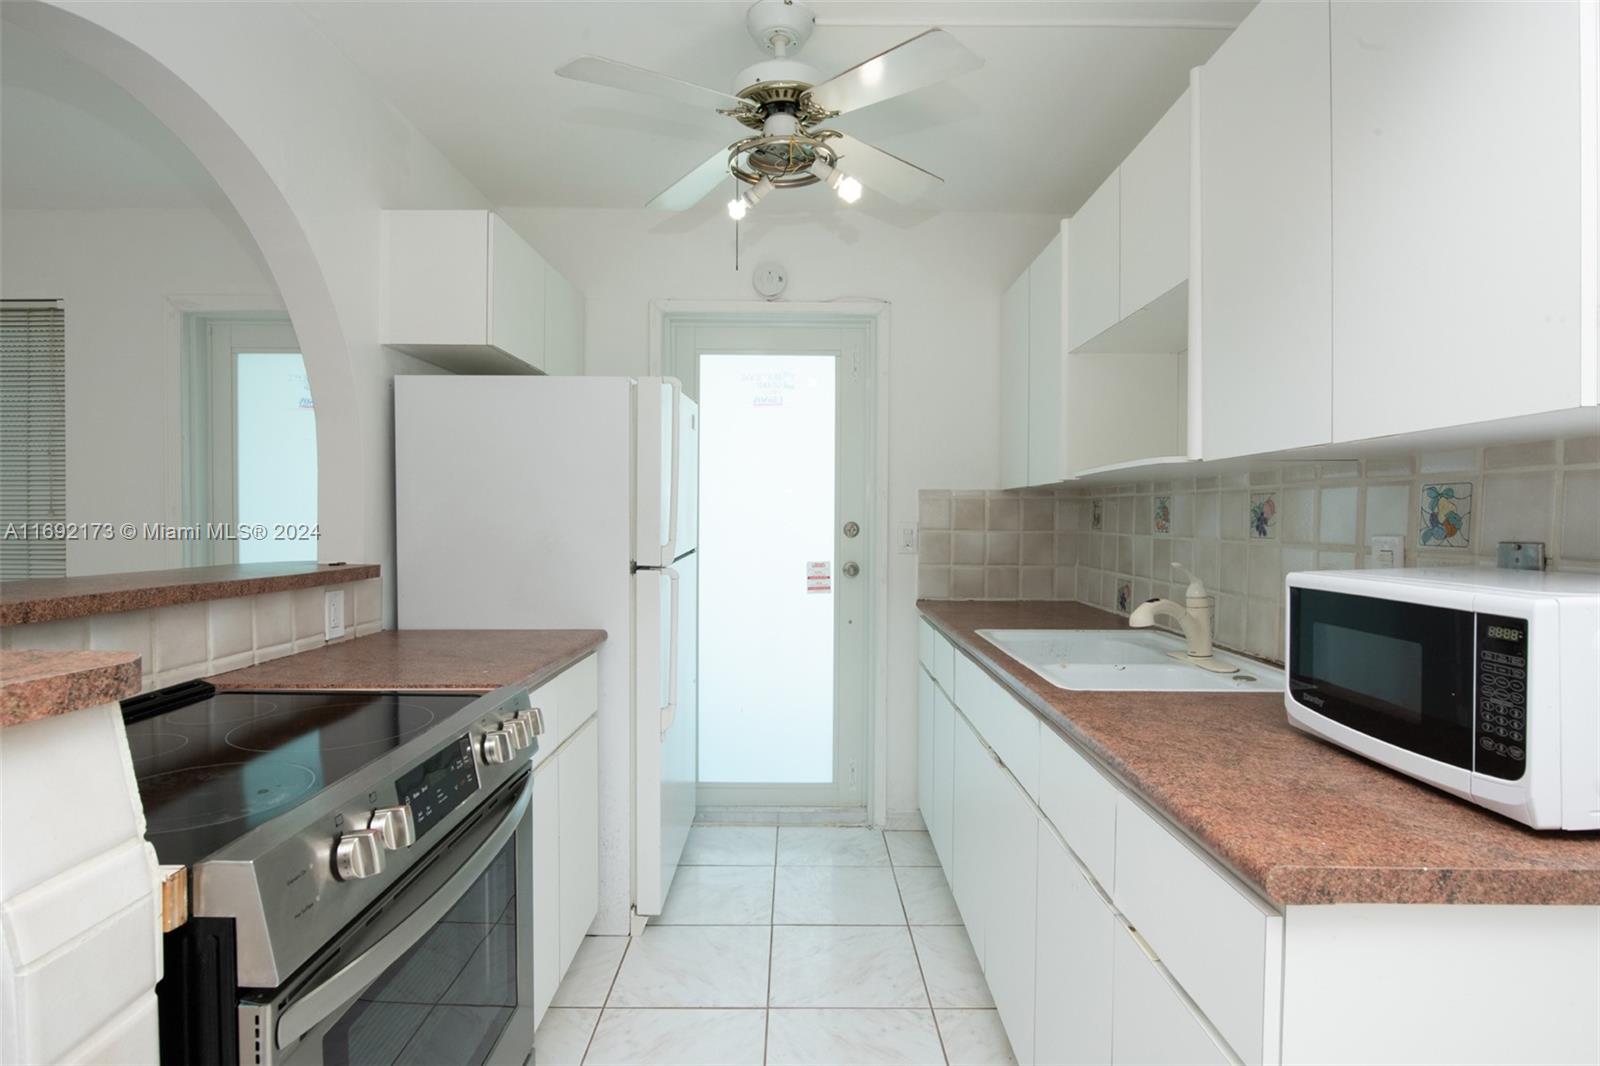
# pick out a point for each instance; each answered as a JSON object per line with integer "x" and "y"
{"x": 1312, "y": 698}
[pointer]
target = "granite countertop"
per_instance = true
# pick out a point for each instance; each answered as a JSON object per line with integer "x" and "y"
{"x": 39, "y": 684}
{"x": 1303, "y": 821}
{"x": 446, "y": 660}
{"x": 53, "y": 598}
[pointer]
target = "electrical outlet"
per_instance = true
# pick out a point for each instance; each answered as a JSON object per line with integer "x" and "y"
{"x": 1388, "y": 552}
{"x": 333, "y": 612}
{"x": 908, "y": 539}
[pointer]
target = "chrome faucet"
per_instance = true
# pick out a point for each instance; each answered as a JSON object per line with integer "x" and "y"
{"x": 1195, "y": 616}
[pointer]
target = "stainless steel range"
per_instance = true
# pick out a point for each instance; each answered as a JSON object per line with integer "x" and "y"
{"x": 359, "y": 870}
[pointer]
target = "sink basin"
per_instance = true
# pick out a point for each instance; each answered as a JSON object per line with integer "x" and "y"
{"x": 1125, "y": 660}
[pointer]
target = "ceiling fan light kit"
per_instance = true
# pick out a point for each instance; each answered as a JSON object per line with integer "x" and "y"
{"x": 785, "y": 102}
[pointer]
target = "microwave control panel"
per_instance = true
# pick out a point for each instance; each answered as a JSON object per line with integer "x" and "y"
{"x": 1501, "y": 706}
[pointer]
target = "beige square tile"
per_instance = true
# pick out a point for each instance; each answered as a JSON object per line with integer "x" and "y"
{"x": 1580, "y": 516}
{"x": 277, "y": 651}
{"x": 1389, "y": 511}
{"x": 933, "y": 582}
{"x": 966, "y": 582}
{"x": 934, "y": 549}
{"x": 1260, "y": 627}
{"x": 232, "y": 627}
{"x": 1208, "y": 515}
{"x": 1297, "y": 515}
{"x": 1230, "y": 620}
{"x": 968, "y": 512}
{"x": 123, "y": 631}
{"x": 369, "y": 600}
{"x": 933, "y": 509}
{"x": 68, "y": 634}
{"x": 1066, "y": 552}
{"x": 1456, "y": 461}
{"x": 1037, "y": 583}
{"x": 1338, "y": 511}
{"x": 1038, "y": 549}
{"x": 967, "y": 547}
{"x": 274, "y": 613}
{"x": 1262, "y": 573}
{"x": 1066, "y": 582}
{"x": 1039, "y": 513}
{"x": 1234, "y": 562}
{"x": 1003, "y": 549}
{"x": 1142, "y": 551}
{"x": 308, "y": 616}
{"x": 1001, "y": 582}
{"x": 1507, "y": 456}
{"x": 1401, "y": 466}
{"x": 1580, "y": 450}
{"x": 1005, "y": 512}
{"x": 1235, "y": 515}
{"x": 1514, "y": 507}
{"x": 179, "y": 637}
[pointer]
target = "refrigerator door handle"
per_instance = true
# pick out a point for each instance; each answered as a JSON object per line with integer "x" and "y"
{"x": 672, "y": 492}
{"x": 669, "y": 712}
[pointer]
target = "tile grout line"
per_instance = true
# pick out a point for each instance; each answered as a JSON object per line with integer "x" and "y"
{"x": 916, "y": 954}
{"x": 772, "y": 934}
{"x": 605, "y": 1002}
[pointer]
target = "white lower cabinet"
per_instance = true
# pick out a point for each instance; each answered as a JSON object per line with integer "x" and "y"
{"x": 973, "y": 826}
{"x": 925, "y": 690}
{"x": 546, "y": 816}
{"x": 941, "y": 827}
{"x": 1152, "y": 1024}
{"x": 1010, "y": 934}
{"x": 579, "y": 763}
{"x": 1072, "y": 982}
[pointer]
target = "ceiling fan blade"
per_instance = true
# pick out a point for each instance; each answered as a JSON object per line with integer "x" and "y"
{"x": 881, "y": 172}
{"x": 924, "y": 60}
{"x": 695, "y": 185}
{"x": 610, "y": 72}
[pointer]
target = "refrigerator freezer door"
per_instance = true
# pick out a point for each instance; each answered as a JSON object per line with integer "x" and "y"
{"x": 667, "y": 719}
{"x": 656, "y": 468}
{"x": 688, "y": 508}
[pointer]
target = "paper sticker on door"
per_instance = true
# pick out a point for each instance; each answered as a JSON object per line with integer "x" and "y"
{"x": 819, "y": 577}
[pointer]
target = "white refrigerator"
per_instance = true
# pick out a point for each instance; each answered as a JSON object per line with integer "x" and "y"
{"x": 571, "y": 503}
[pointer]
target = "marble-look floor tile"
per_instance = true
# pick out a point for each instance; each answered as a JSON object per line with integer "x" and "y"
{"x": 679, "y": 1038}
{"x": 593, "y": 968}
{"x": 845, "y": 966}
{"x": 908, "y": 848}
{"x": 831, "y": 846}
{"x": 837, "y": 895}
{"x": 975, "y": 1038}
{"x": 563, "y": 1036}
{"x": 950, "y": 967}
{"x": 694, "y": 966}
{"x": 719, "y": 895}
{"x": 730, "y": 845}
{"x": 926, "y": 896}
{"x": 827, "y": 1037}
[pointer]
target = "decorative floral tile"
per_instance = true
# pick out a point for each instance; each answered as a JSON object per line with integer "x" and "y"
{"x": 1263, "y": 515}
{"x": 1163, "y": 515}
{"x": 1097, "y": 514}
{"x": 1124, "y": 596}
{"x": 1446, "y": 515}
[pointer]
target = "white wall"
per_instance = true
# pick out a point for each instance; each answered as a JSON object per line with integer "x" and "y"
{"x": 943, "y": 277}
{"x": 310, "y": 154}
{"x": 118, "y": 270}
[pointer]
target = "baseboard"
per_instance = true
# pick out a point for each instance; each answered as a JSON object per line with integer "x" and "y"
{"x": 851, "y": 816}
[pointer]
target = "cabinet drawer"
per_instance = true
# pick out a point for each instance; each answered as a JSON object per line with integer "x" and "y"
{"x": 1151, "y": 1023}
{"x": 1080, "y": 803}
{"x": 1222, "y": 945}
{"x": 567, "y": 701}
{"x": 944, "y": 663}
{"x": 1008, "y": 727}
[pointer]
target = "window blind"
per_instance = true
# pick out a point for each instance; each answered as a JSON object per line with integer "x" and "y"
{"x": 33, "y": 438}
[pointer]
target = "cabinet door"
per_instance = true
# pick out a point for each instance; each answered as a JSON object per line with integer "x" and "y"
{"x": 1155, "y": 211}
{"x": 1266, "y": 273}
{"x": 1151, "y": 1023}
{"x": 1094, "y": 271}
{"x": 580, "y": 838}
{"x": 1010, "y": 933}
{"x": 563, "y": 325}
{"x": 1044, "y": 366}
{"x": 516, "y": 294}
{"x": 925, "y": 691}
{"x": 1014, "y": 384}
{"x": 545, "y": 811}
{"x": 973, "y": 831}
{"x": 942, "y": 829}
{"x": 1457, "y": 223}
{"x": 1073, "y": 983}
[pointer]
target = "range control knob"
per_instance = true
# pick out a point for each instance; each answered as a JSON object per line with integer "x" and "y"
{"x": 521, "y": 733}
{"x": 395, "y": 825}
{"x": 534, "y": 716}
{"x": 358, "y": 854}
{"x": 497, "y": 746}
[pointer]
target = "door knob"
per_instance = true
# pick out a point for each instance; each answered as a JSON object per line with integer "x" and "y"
{"x": 852, "y": 529}
{"x": 851, "y": 569}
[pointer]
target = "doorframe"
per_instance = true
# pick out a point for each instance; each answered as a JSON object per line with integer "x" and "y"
{"x": 874, "y": 313}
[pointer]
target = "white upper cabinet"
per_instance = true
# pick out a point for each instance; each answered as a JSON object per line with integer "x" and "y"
{"x": 1014, "y": 356}
{"x": 1265, "y": 325}
{"x": 1094, "y": 271}
{"x": 1155, "y": 211}
{"x": 1458, "y": 212}
{"x": 462, "y": 290}
{"x": 1045, "y": 366}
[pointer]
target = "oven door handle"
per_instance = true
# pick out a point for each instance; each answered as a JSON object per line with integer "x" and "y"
{"x": 315, "y": 1006}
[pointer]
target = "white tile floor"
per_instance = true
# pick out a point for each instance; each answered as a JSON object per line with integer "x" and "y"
{"x": 792, "y": 944}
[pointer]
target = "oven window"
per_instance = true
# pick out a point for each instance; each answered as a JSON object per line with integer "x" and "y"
{"x": 451, "y": 996}
{"x": 1399, "y": 672}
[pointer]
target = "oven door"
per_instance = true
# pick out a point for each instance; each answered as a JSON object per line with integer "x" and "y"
{"x": 439, "y": 970}
{"x": 1396, "y": 671}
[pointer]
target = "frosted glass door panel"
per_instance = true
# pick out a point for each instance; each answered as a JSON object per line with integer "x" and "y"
{"x": 276, "y": 449}
{"x": 766, "y": 568}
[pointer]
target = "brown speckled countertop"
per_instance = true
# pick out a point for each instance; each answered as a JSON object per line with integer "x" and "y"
{"x": 455, "y": 660}
{"x": 53, "y": 598}
{"x": 39, "y": 684}
{"x": 1302, "y": 820}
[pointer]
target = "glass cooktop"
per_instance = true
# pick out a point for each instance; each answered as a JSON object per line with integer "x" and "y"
{"x": 213, "y": 769}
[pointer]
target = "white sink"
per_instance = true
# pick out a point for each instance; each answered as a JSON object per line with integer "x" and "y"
{"x": 1125, "y": 660}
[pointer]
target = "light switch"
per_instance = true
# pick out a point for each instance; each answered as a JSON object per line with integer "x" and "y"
{"x": 1388, "y": 552}
{"x": 333, "y": 611}
{"x": 908, "y": 539}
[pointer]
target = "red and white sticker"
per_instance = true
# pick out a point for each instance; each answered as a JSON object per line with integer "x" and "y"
{"x": 819, "y": 577}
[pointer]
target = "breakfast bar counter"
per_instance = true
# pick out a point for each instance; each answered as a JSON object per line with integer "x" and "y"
{"x": 1300, "y": 820}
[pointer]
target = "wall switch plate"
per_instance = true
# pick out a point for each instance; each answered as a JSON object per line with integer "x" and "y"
{"x": 1519, "y": 555}
{"x": 333, "y": 612}
{"x": 1388, "y": 552}
{"x": 907, "y": 544}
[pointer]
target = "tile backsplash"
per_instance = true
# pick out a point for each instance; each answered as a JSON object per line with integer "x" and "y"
{"x": 1114, "y": 545}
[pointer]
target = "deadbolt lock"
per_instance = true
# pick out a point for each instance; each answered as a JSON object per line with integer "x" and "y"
{"x": 851, "y": 529}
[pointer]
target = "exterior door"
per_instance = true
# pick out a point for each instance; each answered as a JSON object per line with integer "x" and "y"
{"x": 786, "y": 554}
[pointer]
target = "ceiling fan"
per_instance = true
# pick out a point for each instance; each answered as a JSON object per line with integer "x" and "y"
{"x": 786, "y": 102}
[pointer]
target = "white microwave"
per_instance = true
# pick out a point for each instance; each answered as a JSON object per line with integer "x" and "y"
{"x": 1484, "y": 683}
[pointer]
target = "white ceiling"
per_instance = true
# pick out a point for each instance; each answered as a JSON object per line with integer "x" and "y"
{"x": 74, "y": 140}
{"x": 1068, "y": 87}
